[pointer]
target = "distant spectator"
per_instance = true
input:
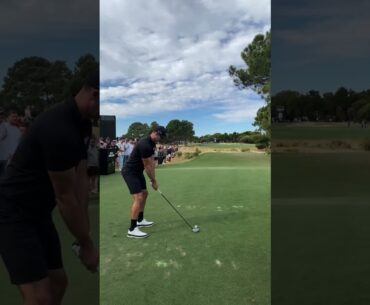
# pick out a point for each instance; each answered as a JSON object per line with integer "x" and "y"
{"x": 161, "y": 155}
{"x": 102, "y": 143}
{"x": 168, "y": 154}
{"x": 28, "y": 114}
{"x": 128, "y": 148}
{"x": 121, "y": 146}
{"x": 10, "y": 136}
{"x": 115, "y": 148}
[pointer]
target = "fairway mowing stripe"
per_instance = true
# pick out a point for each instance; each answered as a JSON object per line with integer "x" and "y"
{"x": 219, "y": 168}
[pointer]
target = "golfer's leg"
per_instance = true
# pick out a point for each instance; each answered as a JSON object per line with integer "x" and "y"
{"x": 58, "y": 283}
{"x": 37, "y": 293}
{"x": 144, "y": 197}
{"x": 137, "y": 205}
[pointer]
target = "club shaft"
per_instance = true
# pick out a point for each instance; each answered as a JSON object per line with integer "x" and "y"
{"x": 176, "y": 210}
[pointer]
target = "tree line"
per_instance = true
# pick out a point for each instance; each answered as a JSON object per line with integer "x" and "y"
{"x": 343, "y": 105}
{"x": 183, "y": 132}
{"x": 41, "y": 83}
{"x": 177, "y": 131}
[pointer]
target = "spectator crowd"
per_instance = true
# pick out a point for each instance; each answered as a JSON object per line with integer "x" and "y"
{"x": 123, "y": 147}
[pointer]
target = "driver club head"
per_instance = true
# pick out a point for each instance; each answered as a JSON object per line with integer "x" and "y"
{"x": 196, "y": 229}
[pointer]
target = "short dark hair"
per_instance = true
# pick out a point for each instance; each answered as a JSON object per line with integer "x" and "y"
{"x": 161, "y": 131}
{"x": 93, "y": 80}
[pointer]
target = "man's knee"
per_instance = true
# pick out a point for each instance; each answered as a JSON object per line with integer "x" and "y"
{"x": 39, "y": 297}
{"x": 145, "y": 194}
{"x": 59, "y": 285}
{"x": 141, "y": 197}
{"x": 45, "y": 298}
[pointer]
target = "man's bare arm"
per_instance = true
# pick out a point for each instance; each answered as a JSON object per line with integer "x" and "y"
{"x": 149, "y": 166}
{"x": 82, "y": 187}
{"x": 73, "y": 212}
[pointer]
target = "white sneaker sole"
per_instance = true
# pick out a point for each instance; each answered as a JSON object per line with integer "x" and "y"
{"x": 138, "y": 237}
{"x": 145, "y": 226}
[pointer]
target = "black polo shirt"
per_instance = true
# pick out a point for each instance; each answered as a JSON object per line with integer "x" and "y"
{"x": 142, "y": 150}
{"x": 57, "y": 141}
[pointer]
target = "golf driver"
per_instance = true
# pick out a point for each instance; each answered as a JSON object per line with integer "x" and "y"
{"x": 195, "y": 229}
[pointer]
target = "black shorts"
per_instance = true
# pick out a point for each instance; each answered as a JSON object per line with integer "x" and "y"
{"x": 93, "y": 171}
{"x": 29, "y": 250}
{"x": 135, "y": 181}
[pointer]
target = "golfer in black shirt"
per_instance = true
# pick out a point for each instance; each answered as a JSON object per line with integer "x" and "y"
{"x": 49, "y": 168}
{"x": 142, "y": 157}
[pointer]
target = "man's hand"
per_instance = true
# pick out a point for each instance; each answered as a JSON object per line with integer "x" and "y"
{"x": 89, "y": 256}
{"x": 155, "y": 185}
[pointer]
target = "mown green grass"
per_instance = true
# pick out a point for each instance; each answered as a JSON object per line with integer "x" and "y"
{"x": 320, "y": 228}
{"x": 319, "y": 131}
{"x": 227, "y": 263}
{"x": 83, "y": 288}
{"x": 223, "y": 145}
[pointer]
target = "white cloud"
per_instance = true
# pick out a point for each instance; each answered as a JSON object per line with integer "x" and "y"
{"x": 164, "y": 55}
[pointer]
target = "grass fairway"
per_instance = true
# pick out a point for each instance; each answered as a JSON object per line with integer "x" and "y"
{"x": 319, "y": 131}
{"x": 82, "y": 287}
{"x": 227, "y": 263}
{"x": 320, "y": 228}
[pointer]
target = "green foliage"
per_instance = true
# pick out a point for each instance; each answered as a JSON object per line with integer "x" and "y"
{"x": 138, "y": 130}
{"x": 342, "y": 105}
{"x": 257, "y": 76}
{"x": 366, "y": 144}
{"x": 188, "y": 155}
{"x": 260, "y": 138}
{"x": 41, "y": 83}
{"x": 245, "y": 150}
{"x": 179, "y": 131}
{"x": 262, "y": 145}
{"x": 35, "y": 81}
{"x": 83, "y": 67}
{"x": 197, "y": 152}
{"x": 153, "y": 125}
{"x": 179, "y": 154}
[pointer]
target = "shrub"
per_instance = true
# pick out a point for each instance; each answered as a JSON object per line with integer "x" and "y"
{"x": 188, "y": 155}
{"x": 366, "y": 144}
{"x": 245, "y": 149}
{"x": 339, "y": 144}
{"x": 261, "y": 145}
{"x": 260, "y": 138}
{"x": 179, "y": 154}
{"x": 246, "y": 139}
{"x": 197, "y": 152}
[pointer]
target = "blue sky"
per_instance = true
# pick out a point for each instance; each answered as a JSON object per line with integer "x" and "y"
{"x": 163, "y": 60}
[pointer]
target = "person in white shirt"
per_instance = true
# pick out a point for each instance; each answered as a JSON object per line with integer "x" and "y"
{"x": 10, "y": 136}
{"x": 128, "y": 147}
{"x": 121, "y": 150}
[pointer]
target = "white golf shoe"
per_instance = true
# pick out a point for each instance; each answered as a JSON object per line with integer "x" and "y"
{"x": 136, "y": 233}
{"x": 145, "y": 223}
